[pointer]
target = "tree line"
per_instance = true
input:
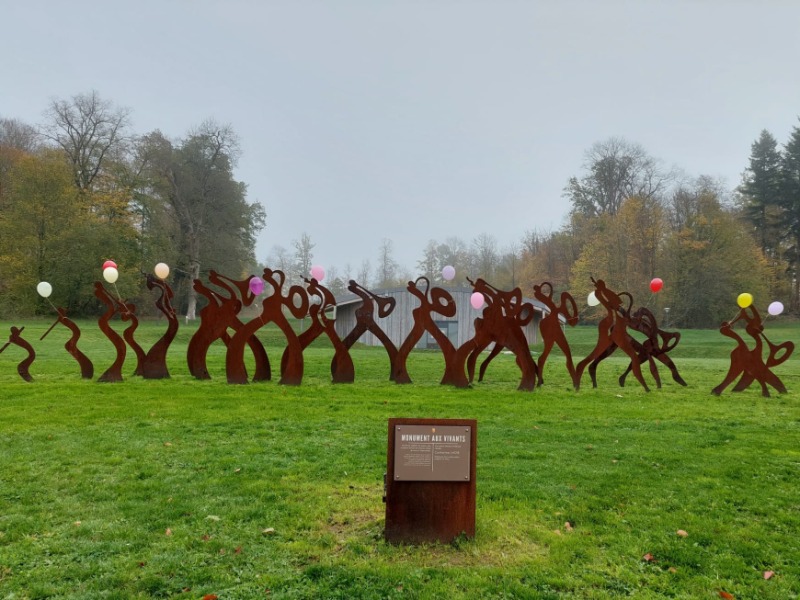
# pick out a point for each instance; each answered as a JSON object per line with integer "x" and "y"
{"x": 81, "y": 188}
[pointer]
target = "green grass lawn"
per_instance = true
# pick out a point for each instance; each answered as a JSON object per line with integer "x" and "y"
{"x": 184, "y": 488}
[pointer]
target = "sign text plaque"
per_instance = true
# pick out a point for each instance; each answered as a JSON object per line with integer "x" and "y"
{"x": 432, "y": 452}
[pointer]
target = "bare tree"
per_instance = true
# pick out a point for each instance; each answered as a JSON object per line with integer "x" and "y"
{"x": 88, "y": 129}
{"x": 615, "y": 170}
{"x": 364, "y": 273}
{"x": 387, "y": 266}
{"x": 18, "y": 135}
{"x": 303, "y": 256}
{"x": 279, "y": 258}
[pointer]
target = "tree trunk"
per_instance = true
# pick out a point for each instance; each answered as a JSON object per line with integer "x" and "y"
{"x": 194, "y": 272}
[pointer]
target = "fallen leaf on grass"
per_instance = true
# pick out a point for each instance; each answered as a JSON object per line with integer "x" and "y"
{"x": 726, "y": 595}
{"x": 168, "y": 531}
{"x": 77, "y": 523}
{"x": 210, "y": 597}
{"x": 648, "y": 557}
{"x": 768, "y": 574}
{"x": 672, "y": 570}
{"x": 568, "y": 526}
{"x": 682, "y": 533}
{"x": 206, "y": 537}
{"x": 239, "y": 470}
{"x": 212, "y": 518}
{"x": 268, "y": 531}
{"x": 168, "y": 444}
{"x": 238, "y": 550}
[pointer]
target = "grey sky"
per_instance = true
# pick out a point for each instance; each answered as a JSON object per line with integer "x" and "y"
{"x": 364, "y": 120}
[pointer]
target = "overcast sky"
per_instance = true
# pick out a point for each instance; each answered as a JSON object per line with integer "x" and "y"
{"x": 372, "y": 119}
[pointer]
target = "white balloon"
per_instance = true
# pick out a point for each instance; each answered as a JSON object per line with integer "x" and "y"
{"x": 592, "y": 299}
{"x": 162, "y": 270}
{"x": 110, "y": 274}
{"x": 44, "y": 289}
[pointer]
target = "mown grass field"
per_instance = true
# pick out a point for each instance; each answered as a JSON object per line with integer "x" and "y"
{"x": 185, "y": 489}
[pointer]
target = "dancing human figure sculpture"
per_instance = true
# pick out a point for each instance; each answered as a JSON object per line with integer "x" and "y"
{"x": 550, "y": 325}
{"x": 323, "y": 301}
{"x": 365, "y": 321}
{"x": 220, "y": 314}
{"x": 432, "y": 301}
{"x": 154, "y": 363}
{"x": 501, "y": 323}
{"x": 17, "y": 339}
{"x": 612, "y": 333}
{"x": 87, "y": 368}
{"x": 114, "y": 373}
{"x": 749, "y": 363}
{"x": 272, "y": 312}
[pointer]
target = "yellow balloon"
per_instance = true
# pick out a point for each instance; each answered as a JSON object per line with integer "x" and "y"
{"x": 744, "y": 300}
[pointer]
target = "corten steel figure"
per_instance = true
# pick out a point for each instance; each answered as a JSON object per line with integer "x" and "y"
{"x": 17, "y": 339}
{"x": 272, "y": 311}
{"x": 550, "y": 325}
{"x": 656, "y": 345}
{"x": 502, "y": 322}
{"x": 342, "y": 370}
{"x": 87, "y": 368}
{"x": 114, "y": 373}
{"x": 432, "y": 300}
{"x": 365, "y": 321}
{"x": 749, "y": 363}
{"x": 612, "y": 331}
{"x": 154, "y": 364}
{"x": 127, "y": 312}
{"x": 219, "y": 315}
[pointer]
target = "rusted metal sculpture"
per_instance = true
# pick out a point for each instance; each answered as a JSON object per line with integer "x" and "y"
{"x": 749, "y": 363}
{"x": 87, "y": 368}
{"x": 365, "y": 321}
{"x": 612, "y": 333}
{"x": 127, "y": 312}
{"x": 501, "y": 323}
{"x": 656, "y": 345}
{"x": 432, "y": 301}
{"x": 114, "y": 373}
{"x": 216, "y": 318}
{"x": 17, "y": 339}
{"x": 322, "y": 300}
{"x": 272, "y": 311}
{"x": 550, "y": 325}
{"x": 154, "y": 363}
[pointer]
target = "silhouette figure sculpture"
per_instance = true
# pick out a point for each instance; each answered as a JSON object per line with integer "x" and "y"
{"x": 432, "y": 301}
{"x": 218, "y": 316}
{"x": 750, "y": 363}
{"x": 154, "y": 363}
{"x": 114, "y": 373}
{"x": 87, "y": 368}
{"x": 501, "y": 323}
{"x": 342, "y": 370}
{"x": 272, "y": 311}
{"x": 17, "y": 339}
{"x": 612, "y": 333}
{"x": 550, "y": 325}
{"x": 365, "y": 321}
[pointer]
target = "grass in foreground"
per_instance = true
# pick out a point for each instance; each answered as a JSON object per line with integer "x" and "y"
{"x": 184, "y": 488}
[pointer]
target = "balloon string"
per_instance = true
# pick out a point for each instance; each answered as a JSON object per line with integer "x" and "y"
{"x": 51, "y": 304}
{"x": 116, "y": 290}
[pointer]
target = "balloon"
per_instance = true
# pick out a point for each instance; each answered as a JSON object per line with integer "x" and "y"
{"x": 256, "y": 285}
{"x": 744, "y": 300}
{"x": 476, "y": 300}
{"x": 656, "y": 284}
{"x": 45, "y": 289}
{"x": 109, "y": 263}
{"x": 161, "y": 270}
{"x": 318, "y": 272}
{"x": 592, "y": 300}
{"x": 774, "y": 309}
{"x": 448, "y": 273}
{"x": 110, "y": 274}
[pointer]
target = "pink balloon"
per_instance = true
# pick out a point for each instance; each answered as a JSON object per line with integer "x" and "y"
{"x": 476, "y": 300}
{"x": 448, "y": 273}
{"x": 109, "y": 263}
{"x": 318, "y": 272}
{"x": 256, "y": 285}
